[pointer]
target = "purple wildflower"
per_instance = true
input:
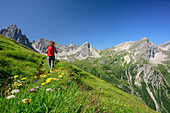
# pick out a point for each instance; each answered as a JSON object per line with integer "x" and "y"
{"x": 58, "y": 89}
{"x": 31, "y": 90}
{"x": 51, "y": 90}
{"x": 37, "y": 87}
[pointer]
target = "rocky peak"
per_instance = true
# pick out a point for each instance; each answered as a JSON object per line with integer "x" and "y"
{"x": 15, "y": 33}
{"x": 144, "y": 39}
{"x": 86, "y": 44}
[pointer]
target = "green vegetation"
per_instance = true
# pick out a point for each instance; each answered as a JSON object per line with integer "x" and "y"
{"x": 18, "y": 59}
{"x": 108, "y": 69}
{"x": 66, "y": 89}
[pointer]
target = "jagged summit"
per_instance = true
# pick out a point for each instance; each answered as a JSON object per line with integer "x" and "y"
{"x": 15, "y": 33}
{"x": 13, "y": 26}
{"x": 144, "y": 39}
{"x": 86, "y": 44}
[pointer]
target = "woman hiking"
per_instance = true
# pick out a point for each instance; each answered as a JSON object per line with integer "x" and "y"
{"x": 50, "y": 55}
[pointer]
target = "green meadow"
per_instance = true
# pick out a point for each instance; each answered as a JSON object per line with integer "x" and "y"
{"x": 27, "y": 86}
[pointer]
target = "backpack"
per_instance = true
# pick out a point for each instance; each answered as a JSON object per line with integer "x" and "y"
{"x": 50, "y": 51}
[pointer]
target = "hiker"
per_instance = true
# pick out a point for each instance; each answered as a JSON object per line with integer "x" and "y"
{"x": 50, "y": 55}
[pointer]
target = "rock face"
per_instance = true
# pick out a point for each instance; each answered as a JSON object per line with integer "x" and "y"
{"x": 13, "y": 32}
{"x": 67, "y": 52}
{"x": 145, "y": 66}
{"x": 165, "y": 46}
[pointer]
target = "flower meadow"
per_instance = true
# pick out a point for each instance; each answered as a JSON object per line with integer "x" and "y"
{"x": 65, "y": 89}
{"x": 28, "y": 86}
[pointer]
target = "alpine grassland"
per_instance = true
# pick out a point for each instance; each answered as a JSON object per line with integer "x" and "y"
{"x": 28, "y": 86}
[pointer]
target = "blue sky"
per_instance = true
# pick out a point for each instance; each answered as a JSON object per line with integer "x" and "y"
{"x": 102, "y": 23}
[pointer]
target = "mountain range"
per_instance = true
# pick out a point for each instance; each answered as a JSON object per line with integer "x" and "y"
{"x": 140, "y": 68}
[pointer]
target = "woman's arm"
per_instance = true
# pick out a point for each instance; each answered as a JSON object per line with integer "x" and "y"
{"x": 56, "y": 51}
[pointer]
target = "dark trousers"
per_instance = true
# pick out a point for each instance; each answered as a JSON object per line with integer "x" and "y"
{"x": 51, "y": 60}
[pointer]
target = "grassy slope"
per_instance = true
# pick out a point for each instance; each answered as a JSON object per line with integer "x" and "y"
{"x": 75, "y": 91}
{"x": 16, "y": 58}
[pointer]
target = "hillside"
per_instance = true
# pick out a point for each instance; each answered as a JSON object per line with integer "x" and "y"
{"x": 17, "y": 58}
{"x": 140, "y": 68}
{"x": 31, "y": 88}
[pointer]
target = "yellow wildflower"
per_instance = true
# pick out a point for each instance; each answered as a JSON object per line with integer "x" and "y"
{"x": 44, "y": 76}
{"x": 15, "y": 76}
{"x": 23, "y": 78}
{"x": 75, "y": 78}
{"x": 47, "y": 82}
{"x": 27, "y": 100}
{"x": 125, "y": 105}
{"x": 43, "y": 84}
{"x": 92, "y": 95}
{"x": 60, "y": 76}
{"x": 49, "y": 79}
{"x": 35, "y": 76}
{"x": 20, "y": 85}
{"x": 54, "y": 78}
{"x": 41, "y": 75}
{"x": 62, "y": 73}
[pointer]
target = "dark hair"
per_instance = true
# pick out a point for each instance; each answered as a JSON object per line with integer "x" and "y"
{"x": 52, "y": 43}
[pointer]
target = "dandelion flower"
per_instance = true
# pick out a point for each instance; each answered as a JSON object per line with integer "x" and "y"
{"x": 47, "y": 82}
{"x": 20, "y": 85}
{"x": 35, "y": 76}
{"x": 15, "y": 76}
{"x": 26, "y": 100}
{"x": 43, "y": 84}
{"x": 37, "y": 87}
{"x": 62, "y": 73}
{"x": 48, "y": 89}
{"x": 31, "y": 90}
{"x": 23, "y": 78}
{"x": 10, "y": 96}
{"x": 15, "y": 91}
{"x": 41, "y": 75}
{"x": 54, "y": 78}
{"x": 60, "y": 76}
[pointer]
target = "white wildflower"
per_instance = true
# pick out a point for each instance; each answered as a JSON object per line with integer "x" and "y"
{"x": 15, "y": 91}
{"x": 48, "y": 89}
{"x": 10, "y": 96}
{"x": 24, "y": 100}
